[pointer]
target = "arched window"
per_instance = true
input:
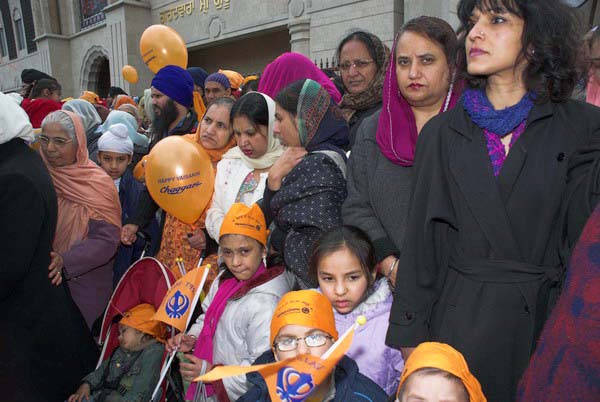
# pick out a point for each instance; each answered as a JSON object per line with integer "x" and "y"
{"x": 19, "y": 29}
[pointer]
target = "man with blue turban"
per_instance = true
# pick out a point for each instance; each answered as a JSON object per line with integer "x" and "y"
{"x": 172, "y": 99}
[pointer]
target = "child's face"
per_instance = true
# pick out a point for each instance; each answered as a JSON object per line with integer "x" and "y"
{"x": 297, "y": 334}
{"x": 114, "y": 163}
{"x": 432, "y": 388}
{"x": 242, "y": 255}
{"x": 342, "y": 280}
{"x": 130, "y": 338}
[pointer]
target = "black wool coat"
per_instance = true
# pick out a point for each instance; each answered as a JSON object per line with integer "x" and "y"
{"x": 484, "y": 257}
{"x": 45, "y": 346}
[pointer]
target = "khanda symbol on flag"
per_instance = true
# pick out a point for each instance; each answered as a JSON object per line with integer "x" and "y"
{"x": 180, "y": 301}
{"x": 293, "y": 379}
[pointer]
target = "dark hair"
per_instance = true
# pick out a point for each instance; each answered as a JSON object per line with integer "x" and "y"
{"x": 550, "y": 44}
{"x": 436, "y": 371}
{"x": 254, "y": 107}
{"x": 437, "y": 30}
{"x": 251, "y": 85}
{"x": 289, "y": 97}
{"x": 348, "y": 237}
{"x": 114, "y": 91}
{"x": 365, "y": 39}
{"x": 44, "y": 83}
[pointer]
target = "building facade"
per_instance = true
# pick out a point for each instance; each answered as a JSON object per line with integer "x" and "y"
{"x": 85, "y": 43}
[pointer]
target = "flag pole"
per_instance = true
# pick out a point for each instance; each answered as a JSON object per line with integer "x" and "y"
{"x": 361, "y": 320}
{"x": 165, "y": 369}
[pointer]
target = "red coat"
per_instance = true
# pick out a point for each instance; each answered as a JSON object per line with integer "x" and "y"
{"x": 38, "y": 109}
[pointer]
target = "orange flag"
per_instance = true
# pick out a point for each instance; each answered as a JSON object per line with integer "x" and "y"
{"x": 180, "y": 301}
{"x": 291, "y": 380}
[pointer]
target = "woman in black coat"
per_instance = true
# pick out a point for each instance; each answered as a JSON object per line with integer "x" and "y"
{"x": 45, "y": 347}
{"x": 500, "y": 193}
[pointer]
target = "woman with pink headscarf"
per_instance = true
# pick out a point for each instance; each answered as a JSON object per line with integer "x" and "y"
{"x": 290, "y": 67}
{"x": 89, "y": 215}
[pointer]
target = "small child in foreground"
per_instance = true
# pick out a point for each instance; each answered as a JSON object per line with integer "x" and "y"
{"x": 132, "y": 371}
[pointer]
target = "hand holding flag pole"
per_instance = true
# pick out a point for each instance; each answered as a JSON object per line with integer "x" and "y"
{"x": 176, "y": 308}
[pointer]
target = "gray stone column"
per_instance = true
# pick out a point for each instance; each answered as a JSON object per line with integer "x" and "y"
{"x": 300, "y": 35}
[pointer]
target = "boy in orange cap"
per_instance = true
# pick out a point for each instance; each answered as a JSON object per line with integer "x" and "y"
{"x": 303, "y": 323}
{"x": 436, "y": 371}
{"x": 133, "y": 369}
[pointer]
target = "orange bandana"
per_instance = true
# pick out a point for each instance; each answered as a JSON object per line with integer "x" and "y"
{"x": 443, "y": 357}
{"x": 308, "y": 308}
{"x": 247, "y": 221}
{"x": 140, "y": 318}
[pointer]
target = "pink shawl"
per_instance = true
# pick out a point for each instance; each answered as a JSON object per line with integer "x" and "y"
{"x": 397, "y": 129}
{"x": 593, "y": 91}
{"x": 204, "y": 344}
{"x": 84, "y": 191}
{"x": 290, "y": 67}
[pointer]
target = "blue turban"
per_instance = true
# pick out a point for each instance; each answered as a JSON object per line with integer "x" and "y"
{"x": 198, "y": 75}
{"x": 176, "y": 83}
{"x": 219, "y": 78}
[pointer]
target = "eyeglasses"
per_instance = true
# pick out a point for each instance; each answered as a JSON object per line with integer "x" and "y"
{"x": 357, "y": 64}
{"x": 56, "y": 141}
{"x": 288, "y": 344}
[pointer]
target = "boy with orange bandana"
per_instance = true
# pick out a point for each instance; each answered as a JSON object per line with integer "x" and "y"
{"x": 131, "y": 373}
{"x": 436, "y": 372}
{"x": 303, "y": 323}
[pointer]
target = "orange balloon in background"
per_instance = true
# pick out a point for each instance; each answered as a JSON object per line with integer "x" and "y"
{"x": 180, "y": 178}
{"x": 130, "y": 74}
{"x": 161, "y": 46}
{"x": 139, "y": 169}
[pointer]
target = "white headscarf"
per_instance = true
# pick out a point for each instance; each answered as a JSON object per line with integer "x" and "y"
{"x": 86, "y": 112}
{"x": 116, "y": 139}
{"x": 14, "y": 122}
{"x": 274, "y": 147}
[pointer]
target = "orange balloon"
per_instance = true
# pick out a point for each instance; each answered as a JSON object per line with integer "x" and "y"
{"x": 180, "y": 178}
{"x": 130, "y": 74}
{"x": 161, "y": 46}
{"x": 139, "y": 169}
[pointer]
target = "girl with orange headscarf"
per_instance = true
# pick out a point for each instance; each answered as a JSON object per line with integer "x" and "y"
{"x": 122, "y": 100}
{"x": 89, "y": 215}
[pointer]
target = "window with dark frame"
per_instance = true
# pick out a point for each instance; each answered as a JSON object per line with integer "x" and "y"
{"x": 3, "y": 45}
{"x": 20, "y": 28}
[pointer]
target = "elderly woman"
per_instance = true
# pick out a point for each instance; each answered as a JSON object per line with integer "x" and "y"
{"x": 243, "y": 171}
{"x": 308, "y": 202}
{"x": 89, "y": 214}
{"x": 380, "y": 175}
{"x": 91, "y": 121}
{"x": 504, "y": 183}
{"x": 362, "y": 60}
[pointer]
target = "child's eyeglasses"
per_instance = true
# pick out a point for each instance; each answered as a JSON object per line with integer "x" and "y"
{"x": 56, "y": 141}
{"x": 288, "y": 344}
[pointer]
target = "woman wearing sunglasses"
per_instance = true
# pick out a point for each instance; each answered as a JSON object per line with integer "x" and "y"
{"x": 89, "y": 215}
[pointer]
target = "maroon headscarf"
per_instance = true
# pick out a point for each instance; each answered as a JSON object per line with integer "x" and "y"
{"x": 397, "y": 129}
{"x": 290, "y": 67}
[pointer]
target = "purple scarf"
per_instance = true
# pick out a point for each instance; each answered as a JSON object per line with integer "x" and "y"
{"x": 496, "y": 124}
{"x": 204, "y": 344}
{"x": 397, "y": 129}
{"x": 290, "y": 67}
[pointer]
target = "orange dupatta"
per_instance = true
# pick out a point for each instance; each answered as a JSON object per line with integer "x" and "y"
{"x": 84, "y": 191}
